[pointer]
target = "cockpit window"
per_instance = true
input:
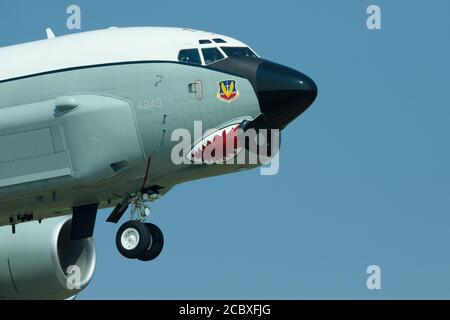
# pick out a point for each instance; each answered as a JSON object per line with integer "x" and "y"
{"x": 204, "y": 41}
{"x": 218, "y": 40}
{"x": 190, "y": 56}
{"x": 239, "y": 52}
{"x": 212, "y": 55}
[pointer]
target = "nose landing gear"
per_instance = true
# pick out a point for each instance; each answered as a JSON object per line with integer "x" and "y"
{"x": 137, "y": 239}
{"x": 157, "y": 243}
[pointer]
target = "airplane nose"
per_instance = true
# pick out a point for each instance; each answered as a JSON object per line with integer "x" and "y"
{"x": 283, "y": 93}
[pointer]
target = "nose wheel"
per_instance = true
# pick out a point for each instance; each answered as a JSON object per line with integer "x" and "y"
{"x": 137, "y": 239}
{"x": 157, "y": 243}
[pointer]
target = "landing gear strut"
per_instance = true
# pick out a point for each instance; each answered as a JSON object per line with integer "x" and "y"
{"x": 137, "y": 239}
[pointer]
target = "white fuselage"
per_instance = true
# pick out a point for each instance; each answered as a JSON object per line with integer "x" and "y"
{"x": 114, "y": 45}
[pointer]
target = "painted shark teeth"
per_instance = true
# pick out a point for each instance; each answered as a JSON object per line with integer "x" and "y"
{"x": 225, "y": 140}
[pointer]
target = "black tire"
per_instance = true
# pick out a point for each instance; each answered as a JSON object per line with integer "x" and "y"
{"x": 157, "y": 245}
{"x": 143, "y": 244}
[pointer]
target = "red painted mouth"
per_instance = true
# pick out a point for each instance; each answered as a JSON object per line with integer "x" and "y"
{"x": 218, "y": 147}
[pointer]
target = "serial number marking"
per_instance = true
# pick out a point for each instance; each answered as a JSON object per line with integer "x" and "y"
{"x": 148, "y": 105}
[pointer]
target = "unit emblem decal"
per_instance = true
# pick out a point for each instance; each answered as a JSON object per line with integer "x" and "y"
{"x": 228, "y": 91}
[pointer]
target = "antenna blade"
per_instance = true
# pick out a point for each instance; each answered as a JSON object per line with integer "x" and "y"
{"x": 50, "y": 34}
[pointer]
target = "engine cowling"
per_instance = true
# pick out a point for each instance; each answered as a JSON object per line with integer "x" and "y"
{"x": 41, "y": 261}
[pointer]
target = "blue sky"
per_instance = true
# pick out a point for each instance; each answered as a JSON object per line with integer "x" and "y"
{"x": 364, "y": 174}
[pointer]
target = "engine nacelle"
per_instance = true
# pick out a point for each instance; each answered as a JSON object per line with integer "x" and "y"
{"x": 41, "y": 261}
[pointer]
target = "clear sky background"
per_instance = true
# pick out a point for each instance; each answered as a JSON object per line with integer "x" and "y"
{"x": 364, "y": 175}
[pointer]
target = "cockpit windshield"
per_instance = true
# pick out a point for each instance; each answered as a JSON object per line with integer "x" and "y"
{"x": 239, "y": 52}
{"x": 212, "y": 55}
{"x": 190, "y": 56}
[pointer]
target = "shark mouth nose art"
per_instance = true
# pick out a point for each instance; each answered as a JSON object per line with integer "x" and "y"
{"x": 217, "y": 147}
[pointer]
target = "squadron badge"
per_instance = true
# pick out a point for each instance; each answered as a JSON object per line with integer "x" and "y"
{"x": 228, "y": 91}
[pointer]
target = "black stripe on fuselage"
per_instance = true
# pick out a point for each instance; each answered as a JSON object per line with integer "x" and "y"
{"x": 114, "y": 64}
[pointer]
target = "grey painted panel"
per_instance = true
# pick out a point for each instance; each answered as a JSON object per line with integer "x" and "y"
{"x": 33, "y": 155}
{"x": 59, "y": 142}
{"x": 28, "y": 144}
{"x": 34, "y": 169}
